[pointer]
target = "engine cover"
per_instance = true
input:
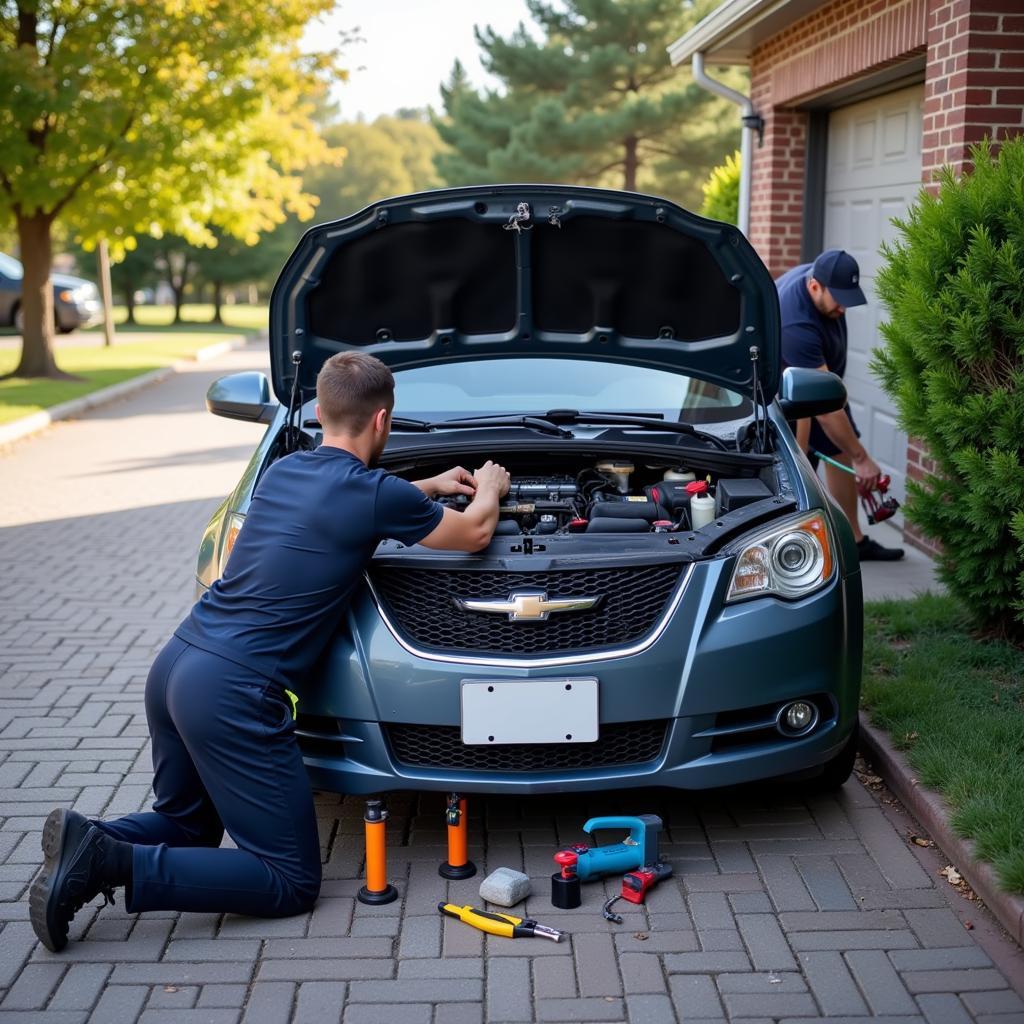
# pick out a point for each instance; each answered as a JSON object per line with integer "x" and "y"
{"x": 551, "y": 488}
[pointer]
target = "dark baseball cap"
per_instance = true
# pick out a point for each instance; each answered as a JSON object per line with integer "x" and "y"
{"x": 837, "y": 270}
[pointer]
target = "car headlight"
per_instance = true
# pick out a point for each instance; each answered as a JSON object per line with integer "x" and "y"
{"x": 792, "y": 561}
{"x": 232, "y": 525}
{"x": 66, "y": 295}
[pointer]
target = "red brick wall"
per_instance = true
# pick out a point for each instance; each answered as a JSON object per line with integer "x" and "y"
{"x": 839, "y": 42}
{"x": 777, "y": 188}
{"x": 974, "y": 83}
{"x": 974, "y": 87}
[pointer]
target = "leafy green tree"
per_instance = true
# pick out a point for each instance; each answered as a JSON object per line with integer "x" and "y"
{"x": 131, "y": 274}
{"x": 150, "y": 116}
{"x": 232, "y": 262}
{"x": 953, "y": 363}
{"x": 176, "y": 263}
{"x": 595, "y": 100}
{"x": 722, "y": 191}
{"x": 390, "y": 156}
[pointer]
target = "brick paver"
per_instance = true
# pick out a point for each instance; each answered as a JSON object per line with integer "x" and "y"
{"x": 782, "y": 909}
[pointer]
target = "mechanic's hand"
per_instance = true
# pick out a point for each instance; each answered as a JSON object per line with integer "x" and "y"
{"x": 868, "y": 471}
{"x": 454, "y": 481}
{"x": 493, "y": 475}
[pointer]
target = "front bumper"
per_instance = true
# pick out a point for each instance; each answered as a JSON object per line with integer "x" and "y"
{"x": 79, "y": 314}
{"x": 710, "y": 682}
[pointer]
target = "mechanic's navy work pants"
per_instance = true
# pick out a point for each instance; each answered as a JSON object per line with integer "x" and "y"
{"x": 224, "y": 757}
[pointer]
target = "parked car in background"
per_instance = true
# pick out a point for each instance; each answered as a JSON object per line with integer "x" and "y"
{"x": 76, "y": 302}
{"x": 669, "y": 599}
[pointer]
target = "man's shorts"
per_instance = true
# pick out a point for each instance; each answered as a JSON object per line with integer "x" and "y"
{"x": 820, "y": 440}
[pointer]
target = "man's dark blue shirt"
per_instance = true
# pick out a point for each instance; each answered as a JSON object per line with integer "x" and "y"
{"x": 313, "y": 523}
{"x": 808, "y": 338}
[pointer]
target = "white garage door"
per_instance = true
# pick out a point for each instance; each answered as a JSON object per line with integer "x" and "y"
{"x": 873, "y": 174}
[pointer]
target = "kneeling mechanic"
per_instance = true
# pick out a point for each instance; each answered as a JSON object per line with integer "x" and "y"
{"x": 218, "y": 703}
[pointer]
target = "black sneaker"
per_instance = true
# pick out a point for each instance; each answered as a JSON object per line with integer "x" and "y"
{"x": 72, "y": 874}
{"x": 871, "y": 551}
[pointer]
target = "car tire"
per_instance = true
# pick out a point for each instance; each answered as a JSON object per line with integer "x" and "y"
{"x": 835, "y": 772}
{"x": 18, "y": 321}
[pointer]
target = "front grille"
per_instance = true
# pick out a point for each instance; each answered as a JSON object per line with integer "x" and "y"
{"x": 419, "y": 603}
{"x": 441, "y": 747}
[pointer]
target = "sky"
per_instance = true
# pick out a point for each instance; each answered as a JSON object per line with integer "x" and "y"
{"x": 409, "y": 48}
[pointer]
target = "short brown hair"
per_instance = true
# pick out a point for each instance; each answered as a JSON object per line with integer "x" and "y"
{"x": 350, "y": 388}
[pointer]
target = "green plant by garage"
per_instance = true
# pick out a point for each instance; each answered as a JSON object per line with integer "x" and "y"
{"x": 953, "y": 290}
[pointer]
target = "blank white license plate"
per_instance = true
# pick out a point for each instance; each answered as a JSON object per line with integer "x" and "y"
{"x": 530, "y": 711}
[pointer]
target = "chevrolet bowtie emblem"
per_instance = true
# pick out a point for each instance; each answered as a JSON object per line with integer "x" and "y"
{"x": 533, "y": 606}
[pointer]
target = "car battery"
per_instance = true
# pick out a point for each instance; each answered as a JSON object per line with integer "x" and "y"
{"x": 734, "y": 493}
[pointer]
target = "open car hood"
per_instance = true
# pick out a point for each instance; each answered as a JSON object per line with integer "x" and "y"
{"x": 497, "y": 271}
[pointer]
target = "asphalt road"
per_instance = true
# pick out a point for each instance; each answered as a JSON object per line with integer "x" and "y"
{"x": 781, "y": 909}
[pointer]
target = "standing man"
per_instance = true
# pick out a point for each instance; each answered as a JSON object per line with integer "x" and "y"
{"x": 813, "y": 299}
{"x": 220, "y": 713}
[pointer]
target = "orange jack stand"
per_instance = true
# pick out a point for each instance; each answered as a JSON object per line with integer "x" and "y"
{"x": 377, "y": 889}
{"x": 458, "y": 865}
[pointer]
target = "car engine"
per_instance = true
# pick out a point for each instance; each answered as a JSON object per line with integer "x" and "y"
{"x": 611, "y": 497}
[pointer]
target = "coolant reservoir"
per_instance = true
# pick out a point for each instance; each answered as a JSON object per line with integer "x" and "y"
{"x": 619, "y": 470}
{"x": 702, "y": 505}
{"x": 680, "y": 475}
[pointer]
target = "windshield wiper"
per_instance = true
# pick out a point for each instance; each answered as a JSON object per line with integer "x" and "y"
{"x": 533, "y": 422}
{"x": 641, "y": 422}
{"x": 404, "y": 423}
{"x": 399, "y": 422}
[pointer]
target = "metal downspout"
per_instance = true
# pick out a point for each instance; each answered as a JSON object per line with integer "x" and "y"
{"x": 750, "y": 125}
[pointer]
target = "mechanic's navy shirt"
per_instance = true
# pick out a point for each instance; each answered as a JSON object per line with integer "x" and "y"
{"x": 808, "y": 338}
{"x": 313, "y": 523}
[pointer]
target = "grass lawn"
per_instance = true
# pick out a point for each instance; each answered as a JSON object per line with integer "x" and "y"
{"x": 955, "y": 705}
{"x": 248, "y": 318}
{"x": 98, "y": 366}
{"x": 196, "y": 317}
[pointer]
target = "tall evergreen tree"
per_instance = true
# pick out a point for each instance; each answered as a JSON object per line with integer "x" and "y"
{"x": 593, "y": 100}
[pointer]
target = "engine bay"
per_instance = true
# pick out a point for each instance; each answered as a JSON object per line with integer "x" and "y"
{"x": 619, "y": 497}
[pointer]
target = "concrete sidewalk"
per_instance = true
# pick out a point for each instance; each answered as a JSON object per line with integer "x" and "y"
{"x": 911, "y": 575}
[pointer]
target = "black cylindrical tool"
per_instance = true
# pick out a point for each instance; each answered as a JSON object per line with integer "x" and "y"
{"x": 565, "y": 884}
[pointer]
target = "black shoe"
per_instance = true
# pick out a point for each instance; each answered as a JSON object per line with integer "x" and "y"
{"x": 871, "y": 551}
{"x": 75, "y": 871}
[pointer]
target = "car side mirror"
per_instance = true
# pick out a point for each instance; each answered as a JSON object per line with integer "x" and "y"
{"x": 807, "y": 392}
{"x": 242, "y": 396}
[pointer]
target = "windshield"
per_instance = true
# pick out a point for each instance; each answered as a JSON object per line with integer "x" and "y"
{"x": 10, "y": 267}
{"x": 492, "y": 386}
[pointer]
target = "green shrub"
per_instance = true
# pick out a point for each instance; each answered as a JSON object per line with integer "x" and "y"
{"x": 953, "y": 363}
{"x": 722, "y": 191}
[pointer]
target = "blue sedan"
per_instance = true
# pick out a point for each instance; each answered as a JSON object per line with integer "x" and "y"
{"x": 670, "y": 598}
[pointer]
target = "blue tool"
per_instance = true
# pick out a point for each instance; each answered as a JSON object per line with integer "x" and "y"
{"x": 640, "y": 847}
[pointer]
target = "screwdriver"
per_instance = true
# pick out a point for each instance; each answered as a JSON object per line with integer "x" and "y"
{"x": 500, "y": 924}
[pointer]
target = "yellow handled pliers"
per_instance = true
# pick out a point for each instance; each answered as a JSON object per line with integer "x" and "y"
{"x": 500, "y": 924}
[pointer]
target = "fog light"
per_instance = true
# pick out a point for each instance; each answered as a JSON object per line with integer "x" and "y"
{"x": 797, "y": 718}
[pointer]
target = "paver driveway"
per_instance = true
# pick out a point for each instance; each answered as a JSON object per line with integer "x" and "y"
{"x": 781, "y": 909}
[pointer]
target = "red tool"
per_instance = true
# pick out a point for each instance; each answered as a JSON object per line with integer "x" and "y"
{"x": 878, "y": 511}
{"x": 565, "y": 884}
{"x": 635, "y": 886}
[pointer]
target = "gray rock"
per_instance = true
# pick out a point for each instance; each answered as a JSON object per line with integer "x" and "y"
{"x": 505, "y": 887}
